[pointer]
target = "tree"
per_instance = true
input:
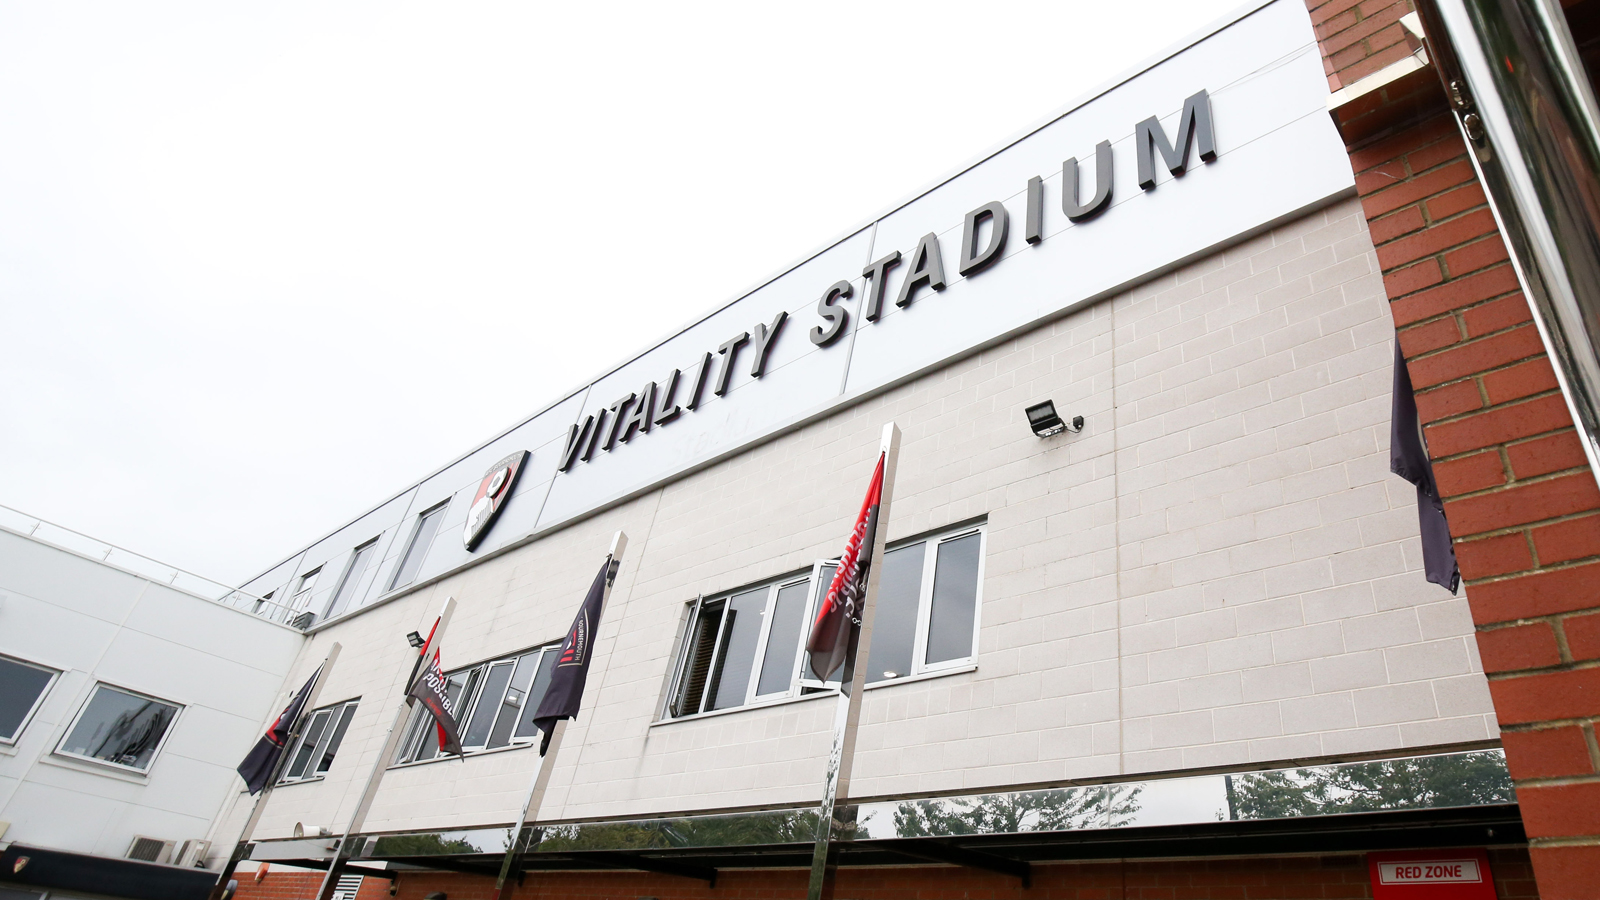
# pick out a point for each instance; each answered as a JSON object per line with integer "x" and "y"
{"x": 1060, "y": 809}
{"x": 1427, "y": 782}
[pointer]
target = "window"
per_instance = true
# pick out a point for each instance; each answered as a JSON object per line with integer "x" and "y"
{"x": 120, "y": 727}
{"x": 417, "y": 548}
{"x": 501, "y": 697}
{"x": 313, "y": 753}
{"x": 351, "y": 580}
{"x": 262, "y": 602}
{"x": 302, "y": 594}
{"x": 746, "y": 646}
{"x": 22, "y": 689}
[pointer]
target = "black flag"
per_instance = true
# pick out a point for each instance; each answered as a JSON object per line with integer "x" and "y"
{"x": 839, "y": 613}
{"x": 1408, "y": 458}
{"x": 262, "y": 759}
{"x": 432, "y": 689}
{"x": 565, "y": 694}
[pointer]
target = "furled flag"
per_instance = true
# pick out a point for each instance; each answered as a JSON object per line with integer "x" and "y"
{"x": 1408, "y": 458}
{"x": 840, "y": 611}
{"x": 565, "y": 693}
{"x": 262, "y": 759}
{"x": 432, "y": 690}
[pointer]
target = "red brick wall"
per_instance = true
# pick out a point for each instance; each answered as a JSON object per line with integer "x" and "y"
{"x": 282, "y": 885}
{"x": 1269, "y": 878}
{"x": 1523, "y": 506}
{"x": 1359, "y": 37}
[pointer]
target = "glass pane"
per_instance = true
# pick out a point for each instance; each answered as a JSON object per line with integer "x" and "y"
{"x": 515, "y": 695}
{"x": 20, "y": 687}
{"x": 417, "y": 550}
{"x": 740, "y": 634}
{"x": 120, "y": 728}
{"x": 955, "y": 600}
{"x": 697, "y": 662}
{"x": 352, "y": 579}
{"x": 894, "y": 627}
{"x": 413, "y": 739}
{"x": 783, "y": 640}
{"x": 541, "y": 681}
{"x": 824, "y": 580}
{"x": 488, "y": 703}
{"x": 308, "y": 744}
{"x": 338, "y": 736}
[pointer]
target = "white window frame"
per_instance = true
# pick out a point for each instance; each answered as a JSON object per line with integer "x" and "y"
{"x": 346, "y": 577}
{"x": 442, "y": 508}
{"x": 97, "y": 761}
{"x": 27, "y": 717}
{"x": 333, "y": 712}
{"x": 419, "y": 724}
{"x": 301, "y": 601}
{"x": 799, "y": 682}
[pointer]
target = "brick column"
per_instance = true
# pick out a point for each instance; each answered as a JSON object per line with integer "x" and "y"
{"x": 1523, "y": 506}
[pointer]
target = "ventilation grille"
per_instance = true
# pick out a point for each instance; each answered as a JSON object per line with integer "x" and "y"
{"x": 149, "y": 849}
{"x": 347, "y": 887}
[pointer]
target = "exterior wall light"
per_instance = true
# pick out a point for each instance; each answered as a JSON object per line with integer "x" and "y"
{"x": 415, "y": 640}
{"x": 1043, "y": 420}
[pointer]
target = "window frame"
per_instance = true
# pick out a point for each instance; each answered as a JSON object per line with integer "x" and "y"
{"x": 301, "y": 601}
{"x": 800, "y": 682}
{"x": 333, "y": 609}
{"x": 441, "y": 508}
{"x": 27, "y": 717}
{"x": 419, "y": 724}
{"x": 77, "y": 717}
{"x": 313, "y": 771}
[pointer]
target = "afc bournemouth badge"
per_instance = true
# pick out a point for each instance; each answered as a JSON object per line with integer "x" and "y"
{"x": 493, "y": 492}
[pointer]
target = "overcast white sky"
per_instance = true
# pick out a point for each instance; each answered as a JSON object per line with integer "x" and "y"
{"x": 263, "y": 265}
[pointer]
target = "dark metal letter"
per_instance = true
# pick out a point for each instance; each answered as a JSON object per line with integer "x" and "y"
{"x": 765, "y": 336}
{"x": 594, "y": 436}
{"x": 878, "y": 274}
{"x": 1033, "y": 233}
{"x": 576, "y": 438}
{"x": 699, "y": 382}
{"x": 1079, "y": 212}
{"x": 973, "y": 259}
{"x": 669, "y": 410}
{"x": 1148, "y": 137}
{"x": 618, "y": 413}
{"x": 837, "y": 318}
{"x": 639, "y": 418}
{"x": 729, "y": 351}
{"x": 927, "y": 268}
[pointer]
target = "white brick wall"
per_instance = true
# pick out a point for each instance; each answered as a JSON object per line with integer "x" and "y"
{"x": 1219, "y": 571}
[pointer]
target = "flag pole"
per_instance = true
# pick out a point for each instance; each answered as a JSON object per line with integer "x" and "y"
{"x": 345, "y": 847}
{"x": 241, "y": 847}
{"x": 847, "y": 713}
{"x": 521, "y": 834}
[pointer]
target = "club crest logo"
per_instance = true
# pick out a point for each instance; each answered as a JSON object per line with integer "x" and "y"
{"x": 493, "y": 493}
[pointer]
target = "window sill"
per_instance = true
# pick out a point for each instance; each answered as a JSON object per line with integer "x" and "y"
{"x": 766, "y": 704}
{"x": 471, "y": 754}
{"x": 109, "y": 770}
{"x": 284, "y": 784}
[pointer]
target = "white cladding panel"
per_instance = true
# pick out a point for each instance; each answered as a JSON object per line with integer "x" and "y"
{"x": 98, "y": 624}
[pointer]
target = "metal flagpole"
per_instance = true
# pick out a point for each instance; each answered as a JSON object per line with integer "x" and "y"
{"x": 847, "y": 715}
{"x": 346, "y": 846}
{"x": 241, "y": 848}
{"x": 521, "y": 834}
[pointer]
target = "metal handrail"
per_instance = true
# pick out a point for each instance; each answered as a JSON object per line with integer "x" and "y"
{"x": 136, "y": 563}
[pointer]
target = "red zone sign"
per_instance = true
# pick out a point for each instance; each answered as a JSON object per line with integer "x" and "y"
{"x": 1431, "y": 875}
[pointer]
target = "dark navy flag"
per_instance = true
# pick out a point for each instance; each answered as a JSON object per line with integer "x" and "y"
{"x": 839, "y": 614}
{"x": 565, "y": 693}
{"x": 1408, "y": 458}
{"x": 262, "y": 759}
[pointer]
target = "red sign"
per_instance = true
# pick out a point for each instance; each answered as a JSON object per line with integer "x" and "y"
{"x": 1431, "y": 875}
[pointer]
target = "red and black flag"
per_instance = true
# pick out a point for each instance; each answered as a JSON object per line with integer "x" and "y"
{"x": 432, "y": 689}
{"x": 565, "y": 693}
{"x": 839, "y": 614}
{"x": 262, "y": 759}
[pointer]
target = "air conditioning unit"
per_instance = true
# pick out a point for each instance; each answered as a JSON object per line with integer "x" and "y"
{"x": 303, "y": 621}
{"x": 149, "y": 849}
{"x": 192, "y": 854}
